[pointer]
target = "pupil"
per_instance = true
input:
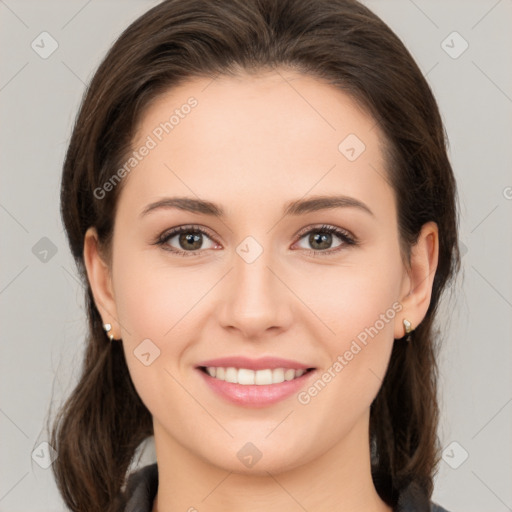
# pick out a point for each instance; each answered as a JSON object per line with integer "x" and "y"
{"x": 187, "y": 240}
{"x": 323, "y": 240}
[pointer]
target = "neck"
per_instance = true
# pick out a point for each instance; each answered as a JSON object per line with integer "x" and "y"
{"x": 339, "y": 479}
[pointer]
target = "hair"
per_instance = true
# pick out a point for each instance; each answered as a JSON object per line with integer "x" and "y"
{"x": 98, "y": 429}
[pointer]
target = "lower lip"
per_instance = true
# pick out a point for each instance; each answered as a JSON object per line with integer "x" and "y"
{"x": 254, "y": 395}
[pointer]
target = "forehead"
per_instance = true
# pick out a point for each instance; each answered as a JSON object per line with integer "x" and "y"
{"x": 258, "y": 103}
{"x": 271, "y": 132}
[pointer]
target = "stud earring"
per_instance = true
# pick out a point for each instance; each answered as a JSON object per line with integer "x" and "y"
{"x": 108, "y": 328}
{"x": 408, "y": 328}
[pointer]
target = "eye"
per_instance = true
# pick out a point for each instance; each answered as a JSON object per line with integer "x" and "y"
{"x": 321, "y": 239}
{"x": 189, "y": 239}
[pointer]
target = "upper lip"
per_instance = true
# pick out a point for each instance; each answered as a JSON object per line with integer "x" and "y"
{"x": 254, "y": 364}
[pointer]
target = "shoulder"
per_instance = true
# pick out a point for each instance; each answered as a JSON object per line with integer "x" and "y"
{"x": 140, "y": 491}
{"x": 142, "y": 485}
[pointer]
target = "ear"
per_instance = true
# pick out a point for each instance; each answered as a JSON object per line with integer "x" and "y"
{"x": 416, "y": 290}
{"x": 99, "y": 276}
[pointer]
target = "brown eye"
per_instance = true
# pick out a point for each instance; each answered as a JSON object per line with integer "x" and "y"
{"x": 326, "y": 238}
{"x": 186, "y": 240}
{"x": 191, "y": 241}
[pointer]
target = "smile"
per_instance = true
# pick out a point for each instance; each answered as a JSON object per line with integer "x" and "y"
{"x": 255, "y": 388}
{"x": 247, "y": 377}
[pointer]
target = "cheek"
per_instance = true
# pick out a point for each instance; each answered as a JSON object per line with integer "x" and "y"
{"x": 152, "y": 298}
{"x": 152, "y": 302}
{"x": 360, "y": 306}
{"x": 349, "y": 299}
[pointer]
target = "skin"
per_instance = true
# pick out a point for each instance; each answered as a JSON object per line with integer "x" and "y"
{"x": 252, "y": 144}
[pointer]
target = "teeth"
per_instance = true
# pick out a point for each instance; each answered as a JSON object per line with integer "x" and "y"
{"x": 244, "y": 376}
{"x": 289, "y": 374}
{"x": 231, "y": 375}
{"x": 247, "y": 377}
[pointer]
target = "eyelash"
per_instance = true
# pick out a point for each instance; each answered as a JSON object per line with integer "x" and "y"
{"x": 345, "y": 237}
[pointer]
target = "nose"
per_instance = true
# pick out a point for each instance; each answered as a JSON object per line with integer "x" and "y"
{"x": 256, "y": 302}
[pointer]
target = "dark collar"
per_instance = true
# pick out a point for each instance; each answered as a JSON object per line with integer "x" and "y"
{"x": 142, "y": 485}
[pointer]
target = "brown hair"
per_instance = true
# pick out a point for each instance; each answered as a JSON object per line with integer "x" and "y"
{"x": 103, "y": 421}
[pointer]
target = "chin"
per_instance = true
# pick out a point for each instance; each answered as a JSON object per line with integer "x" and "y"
{"x": 256, "y": 458}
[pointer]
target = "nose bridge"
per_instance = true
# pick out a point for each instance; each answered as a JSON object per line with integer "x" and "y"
{"x": 254, "y": 283}
{"x": 256, "y": 299}
{"x": 252, "y": 276}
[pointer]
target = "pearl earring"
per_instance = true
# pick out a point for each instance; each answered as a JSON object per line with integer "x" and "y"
{"x": 408, "y": 328}
{"x": 108, "y": 328}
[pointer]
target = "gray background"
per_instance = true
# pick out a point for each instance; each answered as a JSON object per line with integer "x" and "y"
{"x": 42, "y": 315}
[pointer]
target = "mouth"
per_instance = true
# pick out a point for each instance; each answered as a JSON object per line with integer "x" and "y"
{"x": 270, "y": 380}
{"x": 248, "y": 377}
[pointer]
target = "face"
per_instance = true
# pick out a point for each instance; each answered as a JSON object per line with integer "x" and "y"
{"x": 265, "y": 273}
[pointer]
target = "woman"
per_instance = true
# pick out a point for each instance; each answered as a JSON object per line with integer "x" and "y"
{"x": 259, "y": 199}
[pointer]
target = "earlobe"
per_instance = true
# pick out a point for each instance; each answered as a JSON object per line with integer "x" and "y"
{"x": 99, "y": 276}
{"x": 419, "y": 278}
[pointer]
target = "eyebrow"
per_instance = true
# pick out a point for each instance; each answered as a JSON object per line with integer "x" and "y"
{"x": 296, "y": 207}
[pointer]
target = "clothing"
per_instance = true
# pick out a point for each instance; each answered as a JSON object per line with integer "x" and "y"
{"x": 142, "y": 486}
